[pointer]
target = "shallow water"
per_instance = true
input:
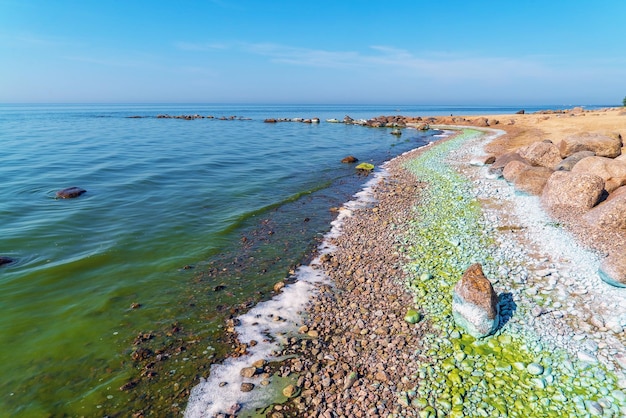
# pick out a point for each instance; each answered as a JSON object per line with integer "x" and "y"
{"x": 183, "y": 224}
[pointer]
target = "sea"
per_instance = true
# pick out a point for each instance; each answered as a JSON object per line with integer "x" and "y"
{"x": 117, "y": 302}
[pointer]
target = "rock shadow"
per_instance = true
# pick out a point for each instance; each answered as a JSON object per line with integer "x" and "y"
{"x": 507, "y": 307}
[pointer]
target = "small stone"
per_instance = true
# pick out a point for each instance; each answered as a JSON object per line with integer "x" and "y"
{"x": 412, "y": 316}
{"x": 247, "y": 387}
{"x": 313, "y": 333}
{"x": 587, "y": 357}
{"x": 289, "y": 391}
{"x": 248, "y": 372}
{"x": 350, "y": 379}
{"x": 278, "y": 286}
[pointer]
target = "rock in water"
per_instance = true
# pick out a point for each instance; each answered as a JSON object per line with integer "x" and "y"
{"x": 70, "y": 192}
{"x": 475, "y": 303}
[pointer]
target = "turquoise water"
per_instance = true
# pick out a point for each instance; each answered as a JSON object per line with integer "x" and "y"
{"x": 183, "y": 224}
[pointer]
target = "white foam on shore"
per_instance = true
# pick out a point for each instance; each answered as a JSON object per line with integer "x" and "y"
{"x": 270, "y": 323}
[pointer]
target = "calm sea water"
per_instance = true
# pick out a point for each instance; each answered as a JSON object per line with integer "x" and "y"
{"x": 184, "y": 223}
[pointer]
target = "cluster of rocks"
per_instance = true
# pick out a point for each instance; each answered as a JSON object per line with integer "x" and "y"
{"x": 301, "y": 120}
{"x": 197, "y": 116}
{"x": 583, "y": 175}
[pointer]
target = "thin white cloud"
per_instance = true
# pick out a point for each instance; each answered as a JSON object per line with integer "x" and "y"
{"x": 200, "y": 47}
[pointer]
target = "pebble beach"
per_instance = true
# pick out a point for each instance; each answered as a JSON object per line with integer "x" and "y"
{"x": 378, "y": 337}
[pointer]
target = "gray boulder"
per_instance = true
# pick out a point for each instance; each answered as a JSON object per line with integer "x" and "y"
{"x": 568, "y": 163}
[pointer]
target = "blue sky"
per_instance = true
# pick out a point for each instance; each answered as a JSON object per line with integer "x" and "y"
{"x": 324, "y": 51}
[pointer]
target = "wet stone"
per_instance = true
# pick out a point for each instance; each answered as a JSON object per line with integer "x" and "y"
{"x": 247, "y": 387}
{"x": 70, "y": 193}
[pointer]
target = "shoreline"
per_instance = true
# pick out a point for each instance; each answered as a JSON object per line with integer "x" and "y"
{"x": 387, "y": 376}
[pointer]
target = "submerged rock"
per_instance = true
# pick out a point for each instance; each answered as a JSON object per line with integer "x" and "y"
{"x": 349, "y": 159}
{"x": 5, "y": 260}
{"x": 70, "y": 192}
{"x": 475, "y": 303}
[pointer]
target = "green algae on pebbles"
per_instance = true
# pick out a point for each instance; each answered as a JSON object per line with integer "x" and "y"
{"x": 510, "y": 373}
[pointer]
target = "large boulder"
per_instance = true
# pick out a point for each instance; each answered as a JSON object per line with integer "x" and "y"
{"x": 475, "y": 303}
{"x": 601, "y": 145}
{"x": 502, "y": 160}
{"x": 613, "y": 270}
{"x": 569, "y": 163}
{"x": 609, "y": 214}
{"x": 512, "y": 170}
{"x": 613, "y": 172}
{"x": 543, "y": 154}
{"x": 572, "y": 190}
{"x": 532, "y": 180}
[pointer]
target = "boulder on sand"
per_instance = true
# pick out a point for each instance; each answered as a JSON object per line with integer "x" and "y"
{"x": 532, "y": 180}
{"x": 601, "y": 145}
{"x": 542, "y": 154}
{"x": 512, "y": 170}
{"x": 613, "y": 270}
{"x": 572, "y": 190}
{"x": 502, "y": 160}
{"x": 609, "y": 214}
{"x": 475, "y": 303}
{"x": 613, "y": 172}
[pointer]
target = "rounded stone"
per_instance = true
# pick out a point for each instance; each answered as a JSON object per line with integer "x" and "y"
{"x": 535, "y": 369}
{"x": 70, "y": 192}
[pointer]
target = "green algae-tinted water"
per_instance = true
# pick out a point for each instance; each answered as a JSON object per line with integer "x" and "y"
{"x": 183, "y": 224}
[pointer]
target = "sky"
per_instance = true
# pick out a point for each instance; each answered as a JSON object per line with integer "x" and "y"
{"x": 494, "y": 52}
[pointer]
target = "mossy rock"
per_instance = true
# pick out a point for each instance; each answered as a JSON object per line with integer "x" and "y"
{"x": 365, "y": 167}
{"x": 412, "y": 316}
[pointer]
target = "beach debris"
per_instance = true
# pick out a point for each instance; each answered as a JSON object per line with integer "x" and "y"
{"x": 70, "y": 192}
{"x": 475, "y": 303}
{"x": 349, "y": 159}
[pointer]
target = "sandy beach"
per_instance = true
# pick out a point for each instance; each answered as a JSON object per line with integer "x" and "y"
{"x": 559, "y": 349}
